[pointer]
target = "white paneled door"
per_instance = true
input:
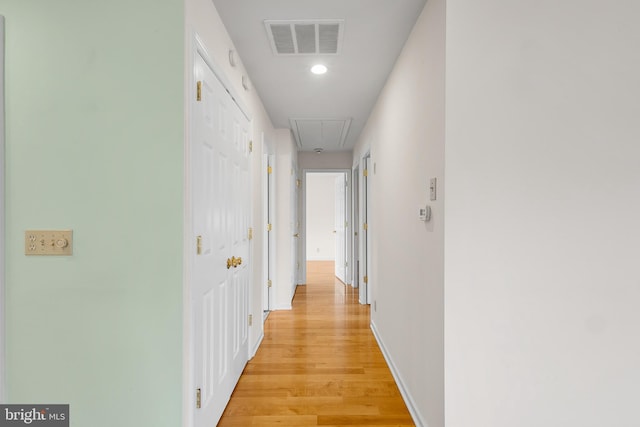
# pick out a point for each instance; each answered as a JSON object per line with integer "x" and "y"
{"x": 341, "y": 228}
{"x": 220, "y": 194}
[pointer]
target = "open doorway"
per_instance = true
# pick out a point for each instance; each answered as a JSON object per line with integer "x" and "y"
{"x": 326, "y": 210}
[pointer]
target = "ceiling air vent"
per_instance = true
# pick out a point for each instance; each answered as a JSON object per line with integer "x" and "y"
{"x": 305, "y": 37}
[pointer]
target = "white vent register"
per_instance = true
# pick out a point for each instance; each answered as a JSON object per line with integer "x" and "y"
{"x": 305, "y": 37}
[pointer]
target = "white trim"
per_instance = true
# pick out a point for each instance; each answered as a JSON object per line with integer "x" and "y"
{"x": 254, "y": 349}
{"x": 303, "y": 221}
{"x": 264, "y": 218}
{"x": 283, "y": 307}
{"x": 195, "y": 48}
{"x": 199, "y": 48}
{"x": 268, "y": 211}
{"x": 2, "y": 216}
{"x": 408, "y": 399}
{"x": 355, "y": 226}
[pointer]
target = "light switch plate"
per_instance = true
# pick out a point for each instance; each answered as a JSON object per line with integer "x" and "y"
{"x": 433, "y": 192}
{"x": 48, "y": 242}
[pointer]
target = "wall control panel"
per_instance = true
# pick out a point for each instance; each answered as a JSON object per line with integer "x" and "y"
{"x": 433, "y": 189}
{"x": 48, "y": 242}
{"x": 425, "y": 213}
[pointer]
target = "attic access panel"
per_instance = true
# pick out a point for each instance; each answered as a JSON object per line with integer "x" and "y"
{"x": 305, "y": 37}
{"x": 329, "y": 134}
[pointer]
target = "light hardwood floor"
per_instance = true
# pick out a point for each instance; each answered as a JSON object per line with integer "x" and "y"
{"x": 319, "y": 365}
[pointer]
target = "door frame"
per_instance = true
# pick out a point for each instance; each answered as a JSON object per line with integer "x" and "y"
{"x": 361, "y": 215}
{"x": 196, "y": 48}
{"x": 303, "y": 223}
{"x": 355, "y": 220}
{"x": 364, "y": 238}
{"x": 268, "y": 213}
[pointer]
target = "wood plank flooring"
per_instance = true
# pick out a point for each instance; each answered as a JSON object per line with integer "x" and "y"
{"x": 319, "y": 365}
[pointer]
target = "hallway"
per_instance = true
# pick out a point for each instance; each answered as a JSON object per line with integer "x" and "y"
{"x": 319, "y": 364}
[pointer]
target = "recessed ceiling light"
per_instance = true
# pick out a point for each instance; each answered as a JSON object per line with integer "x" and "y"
{"x": 318, "y": 69}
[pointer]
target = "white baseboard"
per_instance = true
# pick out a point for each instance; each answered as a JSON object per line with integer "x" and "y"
{"x": 408, "y": 399}
{"x": 254, "y": 350}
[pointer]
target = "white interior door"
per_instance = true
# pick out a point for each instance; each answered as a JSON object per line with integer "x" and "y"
{"x": 295, "y": 228}
{"x": 341, "y": 228}
{"x": 364, "y": 240}
{"x": 269, "y": 241}
{"x": 220, "y": 216}
{"x": 355, "y": 272}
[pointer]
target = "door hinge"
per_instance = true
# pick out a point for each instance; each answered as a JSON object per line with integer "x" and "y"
{"x": 250, "y": 319}
{"x": 346, "y": 224}
{"x": 251, "y": 146}
{"x": 297, "y": 183}
{"x": 365, "y": 279}
{"x": 365, "y": 172}
{"x": 269, "y": 283}
{"x": 269, "y": 227}
{"x": 199, "y": 245}
{"x": 346, "y": 264}
{"x": 365, "y": 226}
{"x": 199, "y": 91}
{"x": 198, "y": 398}
{"x": 250, "y": 233}
{"x": 269, "y": 170}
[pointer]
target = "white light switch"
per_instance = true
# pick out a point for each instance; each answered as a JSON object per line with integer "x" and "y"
{"x": 433, "y": 183}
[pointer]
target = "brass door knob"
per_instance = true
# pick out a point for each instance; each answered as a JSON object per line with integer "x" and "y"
{"x": 234, "y": 262}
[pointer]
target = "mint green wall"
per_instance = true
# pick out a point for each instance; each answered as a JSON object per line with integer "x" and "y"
{"x": 94, "y": 93}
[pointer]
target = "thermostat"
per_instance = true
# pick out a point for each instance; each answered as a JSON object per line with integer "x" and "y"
{"x": 425, "y": 213}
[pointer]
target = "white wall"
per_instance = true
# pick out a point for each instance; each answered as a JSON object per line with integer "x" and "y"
{"x": 328, "y": 160}
{"x": 320, "y": 211}
{"x": 285, "y": 171}
{"x": 405, "y": 134}
{"x": 542, "y": 209}
{"x": 2, "y": 213}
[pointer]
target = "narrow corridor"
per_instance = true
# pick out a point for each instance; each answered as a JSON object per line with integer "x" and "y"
{"x": 319, "y": 364}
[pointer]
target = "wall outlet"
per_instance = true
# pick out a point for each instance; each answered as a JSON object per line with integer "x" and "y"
{"x": 48, "y": 242}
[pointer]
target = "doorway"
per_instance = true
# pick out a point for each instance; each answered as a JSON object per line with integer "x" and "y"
{"x": 326, "y": 212}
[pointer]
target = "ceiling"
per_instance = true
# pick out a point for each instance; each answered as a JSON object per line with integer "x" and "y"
{"x": 323, "y": 111}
